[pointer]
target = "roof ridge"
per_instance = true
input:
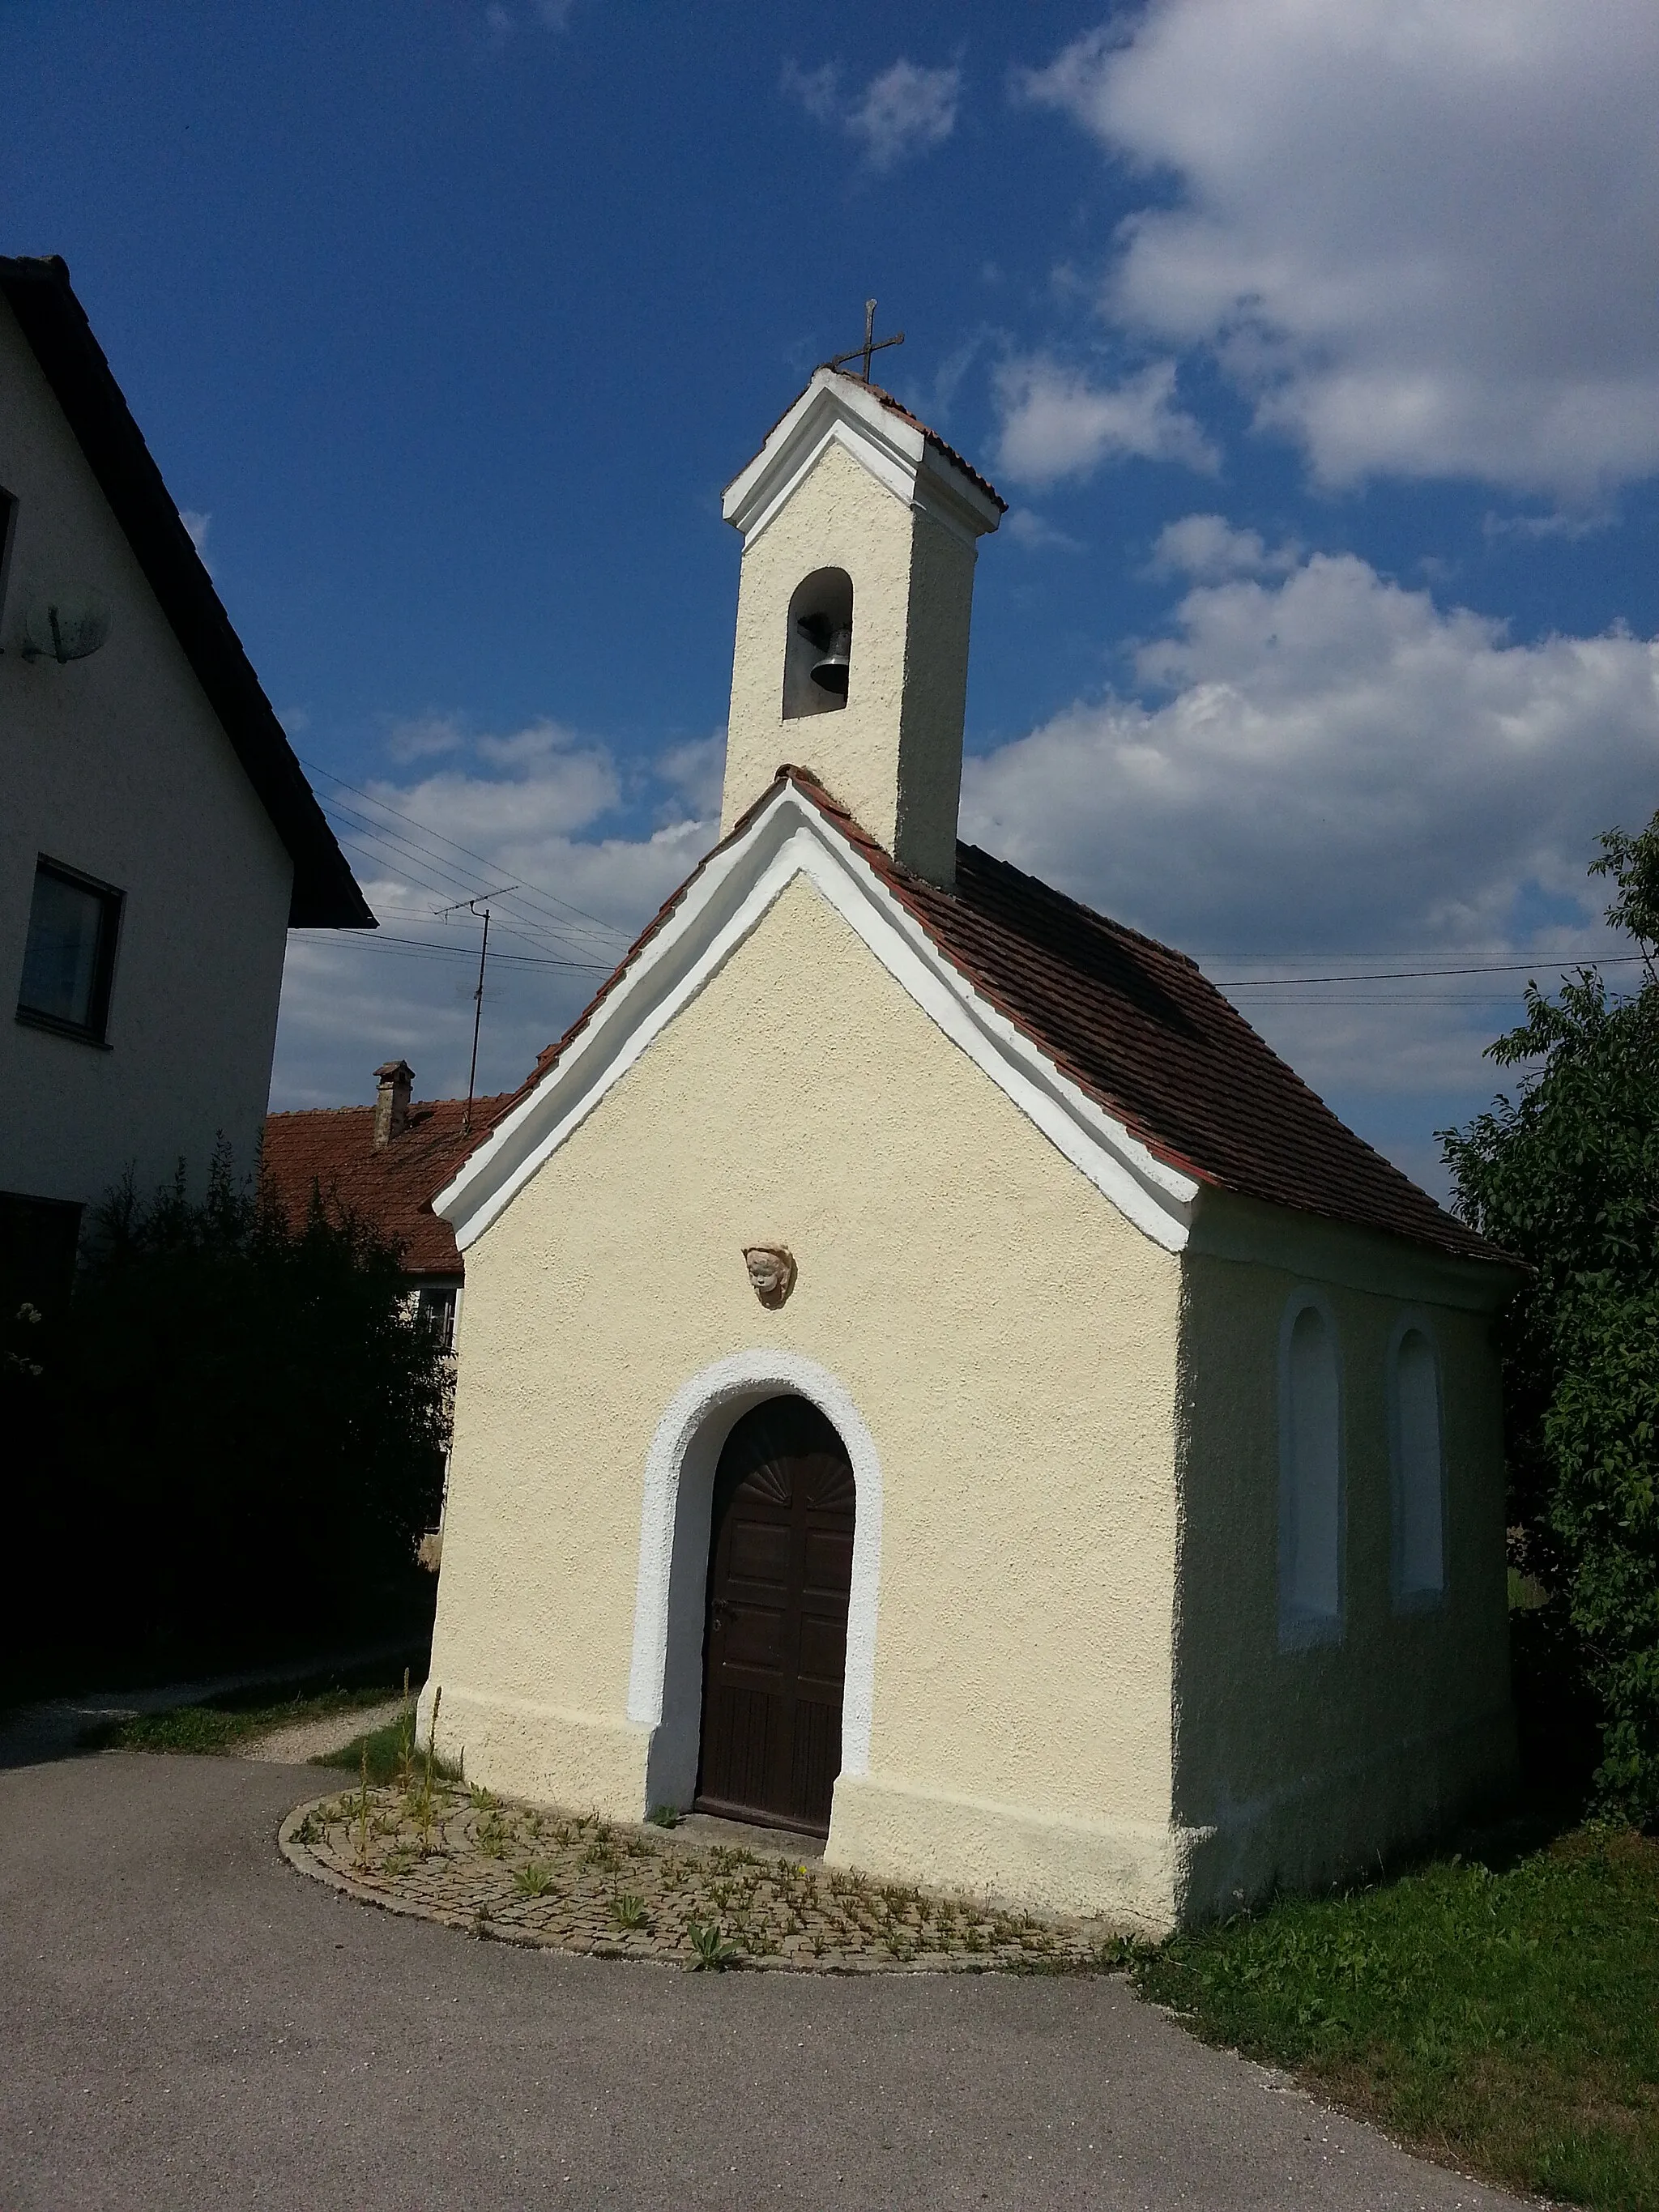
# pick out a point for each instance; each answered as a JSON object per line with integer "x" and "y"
{"x": 1166, "y": 1054}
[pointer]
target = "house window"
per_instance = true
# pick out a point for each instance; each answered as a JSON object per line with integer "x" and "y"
{"x": 70, "y": 958}
{"x": 1311, "y": 1505}
{"x": 436, "y": 1307}
{"x": 1419, "y": 1458}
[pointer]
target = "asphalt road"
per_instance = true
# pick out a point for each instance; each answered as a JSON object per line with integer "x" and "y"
{"x": 188, "y": 2023}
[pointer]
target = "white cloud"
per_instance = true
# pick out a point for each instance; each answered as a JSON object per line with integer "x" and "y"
{"x": 1322, "y": 760}
{"x": 501, "y": 22}
{"x": 693, "y": 773}
{"x": 1424, "y": 237}
{"x": 1056, "y": 424}
{"x": 905, "y": 110}
{"x": 1206, "y": 547}
{"x": 818, "y": 90}
{"x": 525, "y": 808}
{"x": 196, "y": 528}
{"x": 1035, "y": 532}
{"x": 418, "y": 736}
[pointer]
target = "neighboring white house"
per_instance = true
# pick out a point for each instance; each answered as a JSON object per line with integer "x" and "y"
{"x": 157, "y": 836}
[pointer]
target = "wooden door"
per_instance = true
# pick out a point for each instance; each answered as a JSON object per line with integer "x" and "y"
{"x": 774, "y": 1648}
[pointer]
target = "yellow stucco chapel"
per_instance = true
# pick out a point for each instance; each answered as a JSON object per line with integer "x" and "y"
{"x": 929, "y": 1374}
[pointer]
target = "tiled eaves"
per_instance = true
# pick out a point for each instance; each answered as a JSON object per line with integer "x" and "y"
{"x": 897, "y": 407}
{"x": 1135, "y": 1024}
{"x": 1156, "y": 1045}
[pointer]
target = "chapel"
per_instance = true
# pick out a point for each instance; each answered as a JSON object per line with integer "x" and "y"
{"x": 930, "y": 1376}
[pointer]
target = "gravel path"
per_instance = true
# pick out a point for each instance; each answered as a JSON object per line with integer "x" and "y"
{"x": 293, "y": 1747}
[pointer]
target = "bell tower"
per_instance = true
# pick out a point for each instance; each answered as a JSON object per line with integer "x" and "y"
{"x": 860, "y": 533}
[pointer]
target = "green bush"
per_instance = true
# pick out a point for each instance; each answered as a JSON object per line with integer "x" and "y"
{"x": 232, "y": 1435}
{"x": 1566, "y": 1177}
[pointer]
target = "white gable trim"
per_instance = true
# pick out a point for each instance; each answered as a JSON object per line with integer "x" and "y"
{"x": 837, "y": 411}
{"x": 787, "y": 838}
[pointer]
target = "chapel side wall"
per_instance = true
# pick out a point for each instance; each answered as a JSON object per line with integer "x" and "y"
{"x": 1305, "y": 1764}
{"x": 1009, "y": 1340}
{"x": 118, "y": 766}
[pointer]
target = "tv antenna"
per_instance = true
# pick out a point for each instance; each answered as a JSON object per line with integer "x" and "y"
{"x": 476, "y": 906}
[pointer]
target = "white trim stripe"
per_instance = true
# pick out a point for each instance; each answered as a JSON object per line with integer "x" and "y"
{"x": 789, "y": 838}
{"x": 664, "y": 1687}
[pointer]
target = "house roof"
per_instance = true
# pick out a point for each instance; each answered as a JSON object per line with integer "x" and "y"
{"x": 326, "y": 894}
{"x": 897, "y": 407}
{"x": 332, "y": 1151}
{"x": 1135, "y": 1025}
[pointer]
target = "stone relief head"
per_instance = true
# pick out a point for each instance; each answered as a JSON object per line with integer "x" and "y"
{"x": 772, "y": 1272}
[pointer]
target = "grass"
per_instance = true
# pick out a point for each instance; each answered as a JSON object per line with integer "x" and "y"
{"x": 226, "y": 1722}
{"x": 1504, "y": 2017}
{"x": 386, "y": 1750}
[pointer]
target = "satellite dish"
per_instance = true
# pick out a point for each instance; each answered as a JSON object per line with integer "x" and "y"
{"x": 65, "y": 622}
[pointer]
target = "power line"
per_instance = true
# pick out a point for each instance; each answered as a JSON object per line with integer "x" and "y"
{"x": 1397, "y": 1001}
{"x": 419, "y": 945}
{"x": 399, "y": 859}
{"x": 316, "y": 768}
{"x": 1403, "y": 974}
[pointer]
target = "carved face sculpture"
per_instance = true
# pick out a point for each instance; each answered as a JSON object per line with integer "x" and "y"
{"x": 772, "y": 1272}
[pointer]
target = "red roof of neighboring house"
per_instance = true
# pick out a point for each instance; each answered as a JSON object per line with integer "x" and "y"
{"x": 1137, "y": 1027}
{"x": 333, "y": 1149}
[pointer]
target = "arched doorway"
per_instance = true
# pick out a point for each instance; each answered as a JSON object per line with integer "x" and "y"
{"x": 774, "y": 1645}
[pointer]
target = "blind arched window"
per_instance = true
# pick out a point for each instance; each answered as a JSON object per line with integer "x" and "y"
{"x": 1310, "y": 1477}
{"x": 1420, "y": 1480}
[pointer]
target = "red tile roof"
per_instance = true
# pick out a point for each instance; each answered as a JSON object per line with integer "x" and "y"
{"x": 333, "y": 1149}
{"x": 897, "y": 407}
{"x": 1138, "y": 1027}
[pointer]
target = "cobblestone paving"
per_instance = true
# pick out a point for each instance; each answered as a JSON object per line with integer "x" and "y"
{"x": 523, "y": 1874}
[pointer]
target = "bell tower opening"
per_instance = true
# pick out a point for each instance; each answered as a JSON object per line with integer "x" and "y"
{"x": 817, "y": 654}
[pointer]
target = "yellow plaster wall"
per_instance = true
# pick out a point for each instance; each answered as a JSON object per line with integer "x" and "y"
{"x": 1009, "y": 1339}
{"x": 893, "y": 754}
{"x": 1303, "y": 1764}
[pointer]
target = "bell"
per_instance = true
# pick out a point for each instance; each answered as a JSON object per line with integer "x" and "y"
{"x": 829, "y": 674}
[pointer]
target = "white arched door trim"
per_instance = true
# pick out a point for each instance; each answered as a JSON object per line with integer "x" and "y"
{"x": 664, "y": 1688}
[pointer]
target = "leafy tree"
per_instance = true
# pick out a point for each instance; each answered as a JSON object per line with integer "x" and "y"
{"x": 235, "y": 1433}
{"x": 1565, "y": 1176}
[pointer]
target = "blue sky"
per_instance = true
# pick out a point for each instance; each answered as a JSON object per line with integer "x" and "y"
{"x": 1316, "y": 350}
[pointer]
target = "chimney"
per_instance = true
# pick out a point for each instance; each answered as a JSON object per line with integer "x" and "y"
{"x": 393, "y": 1084}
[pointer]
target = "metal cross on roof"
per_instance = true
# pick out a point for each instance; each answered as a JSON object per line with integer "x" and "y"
{"x": 872, "y": 344}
